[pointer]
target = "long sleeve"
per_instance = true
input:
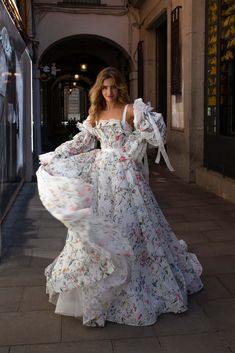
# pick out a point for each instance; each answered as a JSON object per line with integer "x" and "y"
{"x": 151, "y": 127}
{"x": 84, "y": 141}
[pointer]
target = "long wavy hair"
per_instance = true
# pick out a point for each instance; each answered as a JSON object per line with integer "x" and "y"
{"x": 96, "y": 98}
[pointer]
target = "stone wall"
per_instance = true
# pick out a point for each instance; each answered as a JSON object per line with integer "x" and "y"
{"x": 186, "y": 111}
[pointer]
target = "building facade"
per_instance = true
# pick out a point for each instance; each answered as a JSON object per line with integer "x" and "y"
{"x": 76, "y": 39}
{"x": 172, "y": 35}
{"x": 219, "y": 142}
{"x": 188, "y": 61}
{"x": 15, "y": 101}
{"x": 177, "y": 54}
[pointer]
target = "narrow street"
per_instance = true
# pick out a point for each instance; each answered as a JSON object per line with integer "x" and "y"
{"x": 28, "y": 323}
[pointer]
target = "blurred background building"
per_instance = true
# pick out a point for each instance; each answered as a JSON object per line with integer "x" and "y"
{"x": 177, "y": 54}
{"x": 16, "y": 118}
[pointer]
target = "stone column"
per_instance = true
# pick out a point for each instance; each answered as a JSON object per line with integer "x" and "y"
{"x": 194, "y": 53}
{"x": 36, "y": 111}
{"x": 28, "y": 111}
{"x": 133, "y": 79}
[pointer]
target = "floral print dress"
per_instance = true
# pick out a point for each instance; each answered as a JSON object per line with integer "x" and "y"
{"x": 121, "y": 261}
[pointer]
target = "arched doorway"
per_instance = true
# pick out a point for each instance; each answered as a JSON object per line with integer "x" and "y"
{"x": 68, "y": 69}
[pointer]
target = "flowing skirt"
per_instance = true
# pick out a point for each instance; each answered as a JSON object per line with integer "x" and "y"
{"x": 121, "y": 261}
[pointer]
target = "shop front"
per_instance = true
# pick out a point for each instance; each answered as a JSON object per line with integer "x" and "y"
{"x": 219, "y": 148}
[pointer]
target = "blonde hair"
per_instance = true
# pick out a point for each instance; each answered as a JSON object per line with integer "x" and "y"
{"x": 96, "y": 98}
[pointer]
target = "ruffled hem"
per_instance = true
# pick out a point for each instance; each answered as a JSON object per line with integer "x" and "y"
{"x": 71, "y": 303}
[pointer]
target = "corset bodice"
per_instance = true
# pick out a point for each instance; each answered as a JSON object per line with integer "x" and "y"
{"x": 112, "y": 133}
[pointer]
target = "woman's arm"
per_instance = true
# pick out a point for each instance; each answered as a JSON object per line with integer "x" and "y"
{"x": 130, "y": 115}
{"x": 150, "y": 125}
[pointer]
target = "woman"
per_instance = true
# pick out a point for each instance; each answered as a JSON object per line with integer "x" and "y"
{"x": 121, "y": 261}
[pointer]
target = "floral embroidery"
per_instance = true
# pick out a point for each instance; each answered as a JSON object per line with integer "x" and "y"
{"x": 123, "y": 158}
{"x": 121, "y": 261}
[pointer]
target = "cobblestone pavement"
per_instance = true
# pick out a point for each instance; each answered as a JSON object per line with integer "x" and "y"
{"x": 28, "y": 323}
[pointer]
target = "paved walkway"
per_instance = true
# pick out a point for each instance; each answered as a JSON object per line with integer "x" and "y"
{"x": 28, "y": 323}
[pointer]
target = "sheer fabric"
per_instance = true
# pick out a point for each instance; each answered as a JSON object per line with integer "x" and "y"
{"x": 121, "y": 261}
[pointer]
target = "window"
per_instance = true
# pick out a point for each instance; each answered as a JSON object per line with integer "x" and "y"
{"x": 220, "y": 64}
{"x": 175, "y": 52}
{"x": 227, "y": 69}
{"x": 219, "y": 129}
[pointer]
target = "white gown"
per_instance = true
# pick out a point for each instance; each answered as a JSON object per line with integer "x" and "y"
{"x": 121, "y": 261}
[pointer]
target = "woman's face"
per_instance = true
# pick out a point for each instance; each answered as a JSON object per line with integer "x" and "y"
{"x": 109, "y": 90}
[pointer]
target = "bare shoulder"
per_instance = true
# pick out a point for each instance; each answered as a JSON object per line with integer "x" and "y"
{"x": 130, "y": 114}
{"x": 130, "y": 109}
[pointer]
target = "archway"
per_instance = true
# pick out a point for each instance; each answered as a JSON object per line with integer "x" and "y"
{"x": 68, "y": 69}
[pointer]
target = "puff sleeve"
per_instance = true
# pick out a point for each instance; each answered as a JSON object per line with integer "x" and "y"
{"x": 84, "y": 141}
{"x": 151, "y": 127}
